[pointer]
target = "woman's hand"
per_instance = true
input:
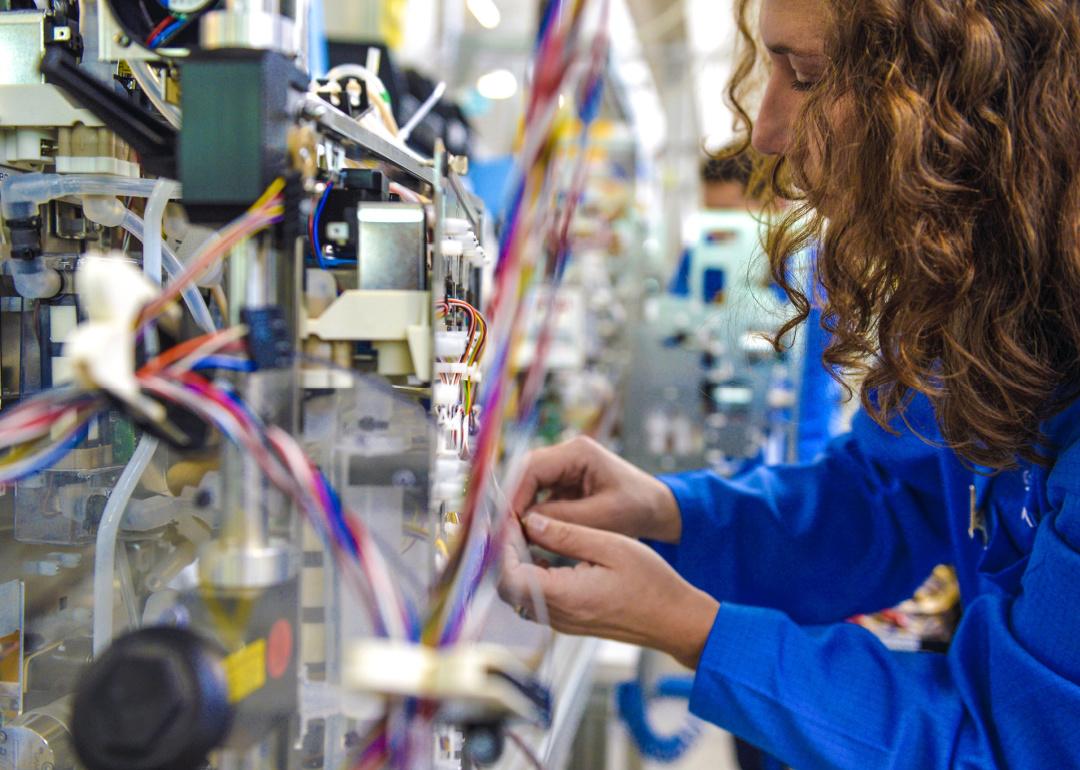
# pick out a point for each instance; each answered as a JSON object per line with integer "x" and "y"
{"x": 620, "y": 590}
{"x": 588, "y": 485}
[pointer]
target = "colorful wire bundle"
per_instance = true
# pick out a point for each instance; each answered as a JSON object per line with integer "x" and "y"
{"x": 165, "y": 30}
{"x": 288, "y": 468}
{"x": 475, "y": 345}
{"x": 41, "y": 431}
{"x": 559, "y": 64}
{"x": 267, "y": 210}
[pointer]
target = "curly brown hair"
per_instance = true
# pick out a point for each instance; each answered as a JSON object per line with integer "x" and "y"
{"x": 945, "y": 209}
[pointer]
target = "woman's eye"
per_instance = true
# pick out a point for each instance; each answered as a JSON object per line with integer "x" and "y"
{"x": 802, "y": 85}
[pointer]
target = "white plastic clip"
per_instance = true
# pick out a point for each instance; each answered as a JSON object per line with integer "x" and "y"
{"x": 102, "y": 350}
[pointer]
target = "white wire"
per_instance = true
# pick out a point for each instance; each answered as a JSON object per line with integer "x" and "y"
{"x": 422, "y": 112}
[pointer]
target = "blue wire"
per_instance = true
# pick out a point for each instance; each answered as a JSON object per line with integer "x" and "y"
{"x": 337, "y": 517}
{"x": 550, "y": 12}
{"x": 165, "y": 33}
{"x": 315, "y": 221}
{"x": 224, "y": 363}
{"x": 55, "y": 455}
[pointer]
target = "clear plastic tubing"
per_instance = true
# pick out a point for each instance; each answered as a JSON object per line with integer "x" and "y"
{"x": 20, "y": 197}
{"x": 164, "y": 191}
{"x": 145, "y": 78}
{"x": 105, "y": 549}
{"x": 133, "y": 223}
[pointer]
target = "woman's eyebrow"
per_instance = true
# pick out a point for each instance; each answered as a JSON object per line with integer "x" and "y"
{"x": 784, "y": 50}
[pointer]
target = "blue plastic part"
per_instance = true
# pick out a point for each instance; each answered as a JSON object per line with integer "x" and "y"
{"x": 224, "y": 363}
{"x": 633, "y": 709}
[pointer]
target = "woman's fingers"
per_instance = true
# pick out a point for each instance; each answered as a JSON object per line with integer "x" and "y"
{"x": 563, "y": 466}
{"x": 577, "y": 542}
{"x": 522, "y": 583}
{"x": 589, "y": 512}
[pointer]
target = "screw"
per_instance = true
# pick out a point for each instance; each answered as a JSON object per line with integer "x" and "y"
{"x": 313, "y": 111}
{"x": 3, "y": 737}
{"x": 48, "y": 766}
{"x": 122, "y": 40}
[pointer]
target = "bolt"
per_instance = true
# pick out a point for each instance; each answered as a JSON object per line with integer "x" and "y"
{"x": 313, "y": 111}
{"x": 122, "y": 40}
{"x": 48, "y": 766}
{"x": 3, "y": 737}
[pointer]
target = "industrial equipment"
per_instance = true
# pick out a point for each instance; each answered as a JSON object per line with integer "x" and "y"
{"x": 251, "y": 444}
{"x": 711, "y": 391}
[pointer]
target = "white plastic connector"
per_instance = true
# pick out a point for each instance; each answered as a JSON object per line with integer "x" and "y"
{"x": 451, "y": 344}
{"x": 448, "y": 490}
{"x": 450, "y": 468}
{"x": 453, "y": 226}
{"x": 452, "y": 248}
{"x": 452, "y": 368}
{"x": 445, "y": 394}
{"x": 476, "y": 256}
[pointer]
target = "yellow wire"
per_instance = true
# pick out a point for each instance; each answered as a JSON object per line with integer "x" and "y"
{"x": 275, "y": 187}
{"x": 19, "y": 452}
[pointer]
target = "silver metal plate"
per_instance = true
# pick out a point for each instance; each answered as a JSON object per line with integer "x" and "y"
{"x": 393, "y": 246}
{"x": 22, "y": 41}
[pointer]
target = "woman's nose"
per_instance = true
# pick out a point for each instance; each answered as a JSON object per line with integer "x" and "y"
{"x": 772, "y": 128}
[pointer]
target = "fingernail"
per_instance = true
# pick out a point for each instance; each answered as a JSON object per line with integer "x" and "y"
{"x": 536, "y": 524}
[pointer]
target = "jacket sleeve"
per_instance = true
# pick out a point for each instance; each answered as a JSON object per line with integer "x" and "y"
{"x": 1007, "y": 694}
{"x": 855, "y": 531}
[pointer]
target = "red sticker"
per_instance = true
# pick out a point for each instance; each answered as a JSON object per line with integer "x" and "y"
{"x": 279, "y": 648}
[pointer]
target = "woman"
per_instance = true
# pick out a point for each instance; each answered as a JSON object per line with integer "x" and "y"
{"x": 939, "y": 141}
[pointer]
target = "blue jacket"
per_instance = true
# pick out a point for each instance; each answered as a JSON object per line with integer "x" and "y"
{"x": 791, "y": 551}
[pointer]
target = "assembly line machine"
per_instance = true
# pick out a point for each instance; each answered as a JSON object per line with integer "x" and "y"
{"x": 222, "y": 496}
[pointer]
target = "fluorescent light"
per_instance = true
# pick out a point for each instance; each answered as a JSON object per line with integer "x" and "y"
{"x": 485, "y": 12}
{"x": 497, "y": 84}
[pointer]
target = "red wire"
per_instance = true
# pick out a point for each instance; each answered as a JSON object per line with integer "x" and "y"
{"x": 159, "y": 28}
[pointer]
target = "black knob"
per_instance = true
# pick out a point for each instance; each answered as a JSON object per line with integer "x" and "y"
{"x": 156, "y": 700}
{"x": 484, "y": 743}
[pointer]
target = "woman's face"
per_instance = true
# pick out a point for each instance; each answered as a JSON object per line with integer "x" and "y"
{"x": 794, "y": 34}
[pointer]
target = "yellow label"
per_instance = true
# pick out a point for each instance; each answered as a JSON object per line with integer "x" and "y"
{"x": 245, "y": 670}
